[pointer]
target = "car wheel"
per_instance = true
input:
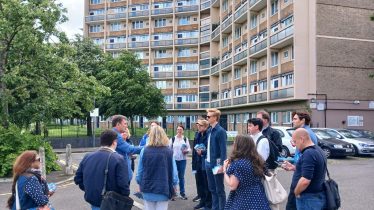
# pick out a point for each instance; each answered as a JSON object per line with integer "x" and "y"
{"x": 327, "y": 152}
{"x": 285, "y": 152}
{"x": 355, "y": 150}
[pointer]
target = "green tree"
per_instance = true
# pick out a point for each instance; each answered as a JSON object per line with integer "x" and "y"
{"x": 132, "y": 93}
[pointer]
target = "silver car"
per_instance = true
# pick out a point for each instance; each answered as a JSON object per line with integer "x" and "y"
{"x": 361, "y": 145}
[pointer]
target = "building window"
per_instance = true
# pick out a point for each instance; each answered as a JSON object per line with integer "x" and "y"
{"x": 94, "y": 2}
{"x": 137, "y": 24}
{"x": 181, "y": 118}
{"x": 193, "y": 83}
{"x": 225, "y": 42}
{"x": 285, "y": 1}
{"x": 263, "y": 63}
{"x": 170, "y": 21}
{"x": 232, "y": 118}
{"x": 274, "y": 117}
{"x": 97, "y": 12}
{"x": 274, "y": 28}
{"x": 245, "y": 27}
{"x": 238, "y": 33}
{"x": 184, "y": 20}
{"x": 163, "y": 36}
{"x": 139, "y": 54}
{"x": 187, "y": 98}
{"x": 194, "y": 51}
{"x": 185, "y": 34}
{"x": 225, "y": 5}
{"x": 170, "y": 52}
{"x": 238, "y": 73}
{"x": 263, "y": 85}
{"x": 253, "y": 67}
{"x": 238, "y": 118}
{"x": 253, "y": 21}
{"x": 224, "y": 78}
{"x": 160, "y": 53}
{"x": 274, "y": 59}
{"x": 287, "y": 79}
{"x": 187, "y": 66}
{"x": 287, "y": 117}
{"x": 146, "y": 54}
{"x": 237, "y": 91}
{"x": 98, "y": 40}
{"x": 170, "y": 119}
{"x": 274, "y": 7}
{"x": 245, "y": 118}
{"x": 274, "y": 83}
{"x": 163, "y": 4}
{"x": 245, "y": 70}
{"x": 285, "y": 54}
{"x": 163, "y": 67}
{"x": 253, "y": 87}
{"x": 160, "y": 23}
{"x": 194, "y": 118}
{"x": 141, "y": 37}
{"x": 292, "y": 53}
{"x": 170, "y": 84}
{"x": 184, "y": 52}
{"x": 195, "y": 19}
{"x": 254, "y": 39}
{"x": 139, "y": 7}
{"x": 94, "y": 28}
{"x": 263, "y": 15}
{"x": 286, "y": 22}
{"x": 244, "y": 89}
{"x": 263, "y": 35}
{"x": 115, "y": 27}
{"x": 168, "y": 98}
{"x": 184, "y": 84}
{"x": 160, "y": 84}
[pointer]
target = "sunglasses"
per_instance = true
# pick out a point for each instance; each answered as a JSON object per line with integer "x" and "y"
{"x": 209, "y": 117}
{"x": 38, "y": 160}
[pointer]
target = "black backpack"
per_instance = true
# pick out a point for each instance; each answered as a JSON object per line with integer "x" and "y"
{"x": 173, "y": 139}
{"x": 273, "y": 154}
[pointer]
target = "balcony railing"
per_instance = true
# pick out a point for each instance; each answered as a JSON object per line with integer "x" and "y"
{"x": 205, "y": 21}
{"x": 258, "y": 97}
{"x": 204, "y": 105}
{"x": 186, "y": 106}
{"x": 140, "y": 13}
{"x": 162, "y": 43}
{"x": 214, "y": 104}
{"x": 187, "y": 9}
{"x": 226, "y": 103}
{"x": 187, "y": 41}
{"x": 205, "y": 5}
{"x": 116, "y": 16}
{"x": 161, "y": 74}
{"x": 204, "y": 66}
{"x": 138, "y": 44}
{"x": 168, "y": 106}
{"x": 202, "y": 1}
{"x": 205, "y": 30}
{"x": 204, "y": 89}
{"x": 241, "y": 100}
{"x": 284, "y": 93}
{"x": 162, "y": 11}
{"x": 216, "y": 32}
{"x": 227, "y": 23}
{"x": 186, "y": 74}
{"x": 215, "y": 69}
{"x": 205, "y": 72}
{"x": 240, "y": 56}
{"x": 95, "y": 18}
{"x": 241, "y": 11}
{"x": 258, "y": 47}
{"x": 252, "y": 2}
{"x": 281, "y": 35}
{"x": 205, "y": 55}
{"x": 116, "y": 46}
{"x": 226, "y": 63}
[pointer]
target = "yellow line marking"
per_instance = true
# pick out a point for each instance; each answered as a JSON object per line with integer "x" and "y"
{"x": 67, "y": 184}
{"x": 6, "y": 194}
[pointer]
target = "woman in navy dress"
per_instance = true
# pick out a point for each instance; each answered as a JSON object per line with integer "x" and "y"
{"x": 244, "y": 176}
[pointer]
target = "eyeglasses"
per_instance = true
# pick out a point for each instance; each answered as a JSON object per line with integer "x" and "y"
{"x": 38, "y": 160}
{"x": 179, "y": 129}
{"x": 209, "y": 117}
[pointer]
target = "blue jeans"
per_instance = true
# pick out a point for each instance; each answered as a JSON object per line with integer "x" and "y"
{"x": 216, "y": 187}
{"x": 309, "y": 201}
{"x": 181, "y": 168}
{"x": 95, "y": 207}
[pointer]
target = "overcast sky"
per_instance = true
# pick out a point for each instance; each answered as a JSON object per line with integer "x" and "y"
{"x": 75, "y": 15}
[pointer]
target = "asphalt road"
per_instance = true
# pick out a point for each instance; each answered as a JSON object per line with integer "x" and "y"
{"x": 354, "y": 176}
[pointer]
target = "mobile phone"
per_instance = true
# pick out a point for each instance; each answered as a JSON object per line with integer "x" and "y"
{"x": 280, "y": 164}
{"x": 291, "y": 160}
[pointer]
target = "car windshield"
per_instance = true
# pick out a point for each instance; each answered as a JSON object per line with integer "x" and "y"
{"x": 334, "y": 134}
{"x": 357, "y": 133}
{"x": 290, "y": 131}
{"x": 348, "y": 134}
{"x": 368, "y": 134}
{"x": 323, "y": 135}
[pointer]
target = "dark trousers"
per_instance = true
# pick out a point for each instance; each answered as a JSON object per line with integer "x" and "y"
{"x": 291, "y": 203}
{"x": 216, "y": 187}
{"x": 202, "y": 186}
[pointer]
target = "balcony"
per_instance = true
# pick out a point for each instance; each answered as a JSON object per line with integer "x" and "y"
{"x": 186, "y": 106}
{"x": 257, "y": 5}
{"x": 186, "y": 74}
{"x": 95, "y": 18}
{"x": 116, "y": 16}
{"x": 204, "y": 72}
{"x": 214, "y": 104}
{"x": 187, "y": 9}
{"x": 205, "y": 39}
{"x": 186, "y": 41}
{"x": 258, "y": 97}
{"x": 241, "y": 100}
{"x": 205, "y": 21}
{"x": 226, "y": 103}
{"x": 225, "y": 26}
{"x": 215, "y": 33}
{"x": 204, "y": 30}
{"x": 226, "y": 64}
{"x": 241, "y": 56}
{"x": 284, "y": 93}
{"x": 161, "y": 74}
{"x": 162, "y": 11}
{"x": 205, "y": 5}
{"x": 215, "y": 3}
{"x": 204, "y": 89}
{"x": 239, "y": 13}
{"x": 204, "y": 105}
{"x": 252, "y": 2}
{"x": 168, "y": 106}
{"x": 161, "y": 43}
{"x": 138, "y": 44}
{"x": 280, "y": 36}
{"x": 258, "y": 47}
{"x": 204, "y": 64}
{"x": 204, "y": 55}
{"x": 116, "y": 46}
{"x": 140, "y": 13}
{"x": 215, "y": 69}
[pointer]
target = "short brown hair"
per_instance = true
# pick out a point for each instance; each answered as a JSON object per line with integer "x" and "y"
{"x": 302, "y": 114}
{"x": 216, "y": 113}
{"x": 107, "y": 137}
{"x": 265, "y": 115}
{"x": 149, "y": 127}
{"x": 117, "y": 119}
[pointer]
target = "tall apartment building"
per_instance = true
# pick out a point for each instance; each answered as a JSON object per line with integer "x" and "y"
{"x": 241, "y": 56}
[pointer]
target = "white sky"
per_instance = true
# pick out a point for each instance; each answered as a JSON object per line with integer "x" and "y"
{"x": 75, "y": 15}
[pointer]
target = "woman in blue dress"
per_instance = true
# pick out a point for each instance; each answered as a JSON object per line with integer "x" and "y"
{"x": 244, "y": 176}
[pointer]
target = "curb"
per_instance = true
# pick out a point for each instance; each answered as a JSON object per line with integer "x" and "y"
{"x": 6, "y": 180}
{"x": 66, "y": 180}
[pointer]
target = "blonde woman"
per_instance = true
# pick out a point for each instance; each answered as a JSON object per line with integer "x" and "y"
{"x": 157, "y": 171}
{"x": 126, "y": 136}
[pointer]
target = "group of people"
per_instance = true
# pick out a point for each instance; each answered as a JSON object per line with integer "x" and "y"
{"x": 162, "y": 165}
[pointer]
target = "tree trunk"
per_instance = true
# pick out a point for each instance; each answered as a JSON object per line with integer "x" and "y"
{"x": 89, "y": 127}
{"x": 132, "y": 126}
{"x": 37, "y": 128}
{"x": 71, "y": 121}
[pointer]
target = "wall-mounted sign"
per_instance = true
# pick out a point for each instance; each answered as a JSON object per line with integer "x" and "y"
{"x": 353, "y": 121}
{"x": 320, "y": 106}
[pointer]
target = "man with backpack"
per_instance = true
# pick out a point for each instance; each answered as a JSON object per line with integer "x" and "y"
{"x": 268, "y": 131}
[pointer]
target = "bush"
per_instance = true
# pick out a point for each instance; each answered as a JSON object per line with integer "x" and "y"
{"x": 13, "y": 142}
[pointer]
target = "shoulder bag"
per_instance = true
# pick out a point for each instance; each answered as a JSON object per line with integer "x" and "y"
{"x": 113, "y": 200}
{"x": 274, "y": 191}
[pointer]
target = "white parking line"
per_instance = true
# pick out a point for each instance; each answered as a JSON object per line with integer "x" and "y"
{"x": 139, "y": 205}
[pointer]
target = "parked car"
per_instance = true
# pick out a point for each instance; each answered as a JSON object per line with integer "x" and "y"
{"x": 361, "y": 145}
{"x": 332, "y": 146}
{"x": 362, "y": 133}
{"x": 288, "y": 147}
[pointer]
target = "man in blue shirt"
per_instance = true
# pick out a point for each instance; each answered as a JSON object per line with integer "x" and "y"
{"x": 309, "y": 175}
{"x": 300, "y": 119}
{"x": 216, "y": 155}
{"x": 119, "y": 124}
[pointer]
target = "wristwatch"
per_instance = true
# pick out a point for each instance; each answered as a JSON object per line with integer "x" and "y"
{"x": 223, "y": 172}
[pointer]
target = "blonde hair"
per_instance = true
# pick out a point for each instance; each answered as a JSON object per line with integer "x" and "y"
{"x": 128, "y": 133}
{"x": 216, "y": 113}
{"x": 157, "y": 137}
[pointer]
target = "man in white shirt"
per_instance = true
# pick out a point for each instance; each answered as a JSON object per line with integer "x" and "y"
{"x": 255, "y": 126}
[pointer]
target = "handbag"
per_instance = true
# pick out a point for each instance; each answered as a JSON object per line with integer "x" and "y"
{"x": 113, "y": 200}
{"x": 274, "y": 191}
{"x": 333, "y": 201}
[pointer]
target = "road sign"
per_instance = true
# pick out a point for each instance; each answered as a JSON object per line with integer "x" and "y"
{"x": 94, "y": 113}
{"x": 232, "y": 133}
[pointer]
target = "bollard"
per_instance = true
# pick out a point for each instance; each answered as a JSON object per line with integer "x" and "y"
{"x": 42, "y": 162}
{"x": 69, "y": 161}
